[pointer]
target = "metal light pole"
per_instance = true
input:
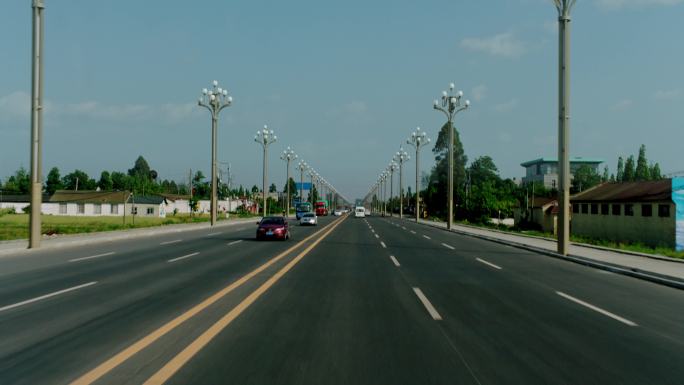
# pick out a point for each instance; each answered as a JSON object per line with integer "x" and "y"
{"x": 287, "y": 156}
{"x": 564, "y": 7}
{"x": 312, "y": 174}
{"x": 301, "y": 167}
{"x": 36, "y": 125}
{"x": 401, "y": 157}
{"x": 265, "y": 137}
{"x": 391, "y": 168}
{"x": 418, "y": 140}
{"x": 451, "y": 105}
{"x": 214, "y": 100}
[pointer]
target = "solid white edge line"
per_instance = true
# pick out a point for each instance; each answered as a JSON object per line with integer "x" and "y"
{"x": 426, "y": 237}
{"x": 597, "y": 309}
{"x": 431, "y": 309}
{"x": 212, "y": 234}
{"x": 448, "y": 246}
{"x": 234, "y": 242}
{"x": 383, "y": 244}
{"x": 396, "y": 263}
{"x": 46, "y": 296}
{"x": 488, "y": 263}
{"x": 183, "y": 257}
{"x": 170, "y": 242}
{"x": 91, "y": 257}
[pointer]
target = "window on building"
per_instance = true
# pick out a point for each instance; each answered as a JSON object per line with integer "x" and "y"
{"x": 80, "y": 208}
{"x": 616, "y": 209}
{"x": 150, "y": 211}
{"x": 604, "y": 209}
{"x": 594, "y": 208}
{"x": 629, "y": 209}
{"x": 575, "y": 208}
{"x": 664, "y": 211}
{"x": 585, "y": 208}
{"x": 646, "y": 210}
{"x": 115, "y": 209}
{"x": 97, "y": 208}
{"x": 62, "y": 208}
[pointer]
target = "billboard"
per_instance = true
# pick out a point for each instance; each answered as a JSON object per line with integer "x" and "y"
{"x": 678, "y": 199}
{"x": 306, "y": 186}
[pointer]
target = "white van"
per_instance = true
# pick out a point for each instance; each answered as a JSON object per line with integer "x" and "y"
{"x": 359, "y": 212}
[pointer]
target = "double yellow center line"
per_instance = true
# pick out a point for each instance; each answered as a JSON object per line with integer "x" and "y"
{"x": 184, "y": 356}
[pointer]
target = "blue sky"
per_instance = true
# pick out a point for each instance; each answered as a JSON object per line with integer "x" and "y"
{"x": 343, "y": 83}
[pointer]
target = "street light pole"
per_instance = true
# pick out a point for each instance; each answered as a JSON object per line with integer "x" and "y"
{"x": 214, "y": 100}
{"x": 301, "y": 167}
{"x": 265, "y": 137}
{"x": 390, "y": 168}
{"x": 401, "y": 157}
{"x": 564, "y": 7}
{"x": 36, "y": 125}
{"x": 451, "y": 105}
{"x": 418, "y": 140}
{"x": 287, "y": 156}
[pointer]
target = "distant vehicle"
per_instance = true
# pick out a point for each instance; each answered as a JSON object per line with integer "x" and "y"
{"x": 301, "y": 208}
{"x": 321, "y": 208}
{"x": 308, "y": 219}
{"x": 273, "y": 228}
{"x": 337, "y": 212}
{"x": 368, "y": 212}
{"x": 360, "y": 212}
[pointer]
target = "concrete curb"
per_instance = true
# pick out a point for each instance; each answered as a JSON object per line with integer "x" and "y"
{"x": 20, "y": 246}
{"x": 579, "y": 244}
{"x": 660, "y": 279}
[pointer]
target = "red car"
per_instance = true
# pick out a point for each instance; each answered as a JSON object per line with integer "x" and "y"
{"x": 273, "y": 228}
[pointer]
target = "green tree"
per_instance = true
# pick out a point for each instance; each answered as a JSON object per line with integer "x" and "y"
{"x": 630, "y": 172}
{"x": 140, "y": 169}
{"x": 642, "y": 170}
{"x": 655, "y": 172}
{"x": 78, "y": 180}
{"x": 436, "y": 194}
{"x": 105, "y": 183}
{"x": 120, "y": 181}
{"x": 620, "y": 176}
{"x": 272, "y": 188}
{"x": 19, "y": 183}
{"x": 606, "y": 175}
{"x": 53, "y": 182}
{"x": 293, "y": 188}
{"x": 585, "y": 177}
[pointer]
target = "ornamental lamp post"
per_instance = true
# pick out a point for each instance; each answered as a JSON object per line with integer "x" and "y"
{"x": 401, "y": 157}
{"x": 302, "y": 167}
{"x": 451, "y": 105}
{"x": 214, "y": 100}
{"x": 418, "y": 140}
{"x": 265, "y": 138}
{"x": 288, "y": 155}
{"x": 391, "y": 168}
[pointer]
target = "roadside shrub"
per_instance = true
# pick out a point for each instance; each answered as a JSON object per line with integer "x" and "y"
{"x": 7, "y": 211}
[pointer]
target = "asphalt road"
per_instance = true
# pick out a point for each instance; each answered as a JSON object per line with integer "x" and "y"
{"x": 352, "y": 301}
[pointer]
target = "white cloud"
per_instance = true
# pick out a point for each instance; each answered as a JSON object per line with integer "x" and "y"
{"x": 623, "y": 104}
{"x": 479, "y": 93}
{"x": 15, "y": 105}
{"x": 667, "y": 94}
{"x": 504, "y": 44}
{"x": 506, "y": 106}
{"x": 620, "y": 4}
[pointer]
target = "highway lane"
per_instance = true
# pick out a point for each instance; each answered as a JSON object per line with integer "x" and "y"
{"x": 376, "y": 301}
{"x": 541, "y": 319}
{"x": 137, "y": 289}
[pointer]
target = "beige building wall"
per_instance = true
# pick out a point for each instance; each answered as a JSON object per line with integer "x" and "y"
{"x": 652, "y": 231}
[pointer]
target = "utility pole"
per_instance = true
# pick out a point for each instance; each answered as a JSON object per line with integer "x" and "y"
{"x": 564, "y": 8}
{"x": 36, "y": 125}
